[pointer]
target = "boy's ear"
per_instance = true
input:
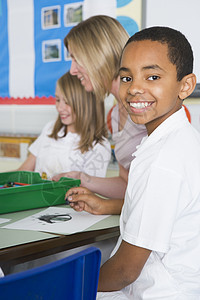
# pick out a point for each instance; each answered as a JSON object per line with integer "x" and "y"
{"x": 188, "y": 86}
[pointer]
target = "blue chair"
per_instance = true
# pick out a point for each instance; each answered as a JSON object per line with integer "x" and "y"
{"x": 72, "y": 278}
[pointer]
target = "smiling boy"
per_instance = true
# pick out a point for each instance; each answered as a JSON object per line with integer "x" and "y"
{"x": 157, "y": 255}
{"x": 158, "y": 252}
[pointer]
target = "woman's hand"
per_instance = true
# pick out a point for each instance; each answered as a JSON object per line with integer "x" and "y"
{"x": 72, "y": 174}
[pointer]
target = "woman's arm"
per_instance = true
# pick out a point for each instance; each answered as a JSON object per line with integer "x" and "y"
{"x": 29, "y": 164}
{"x": 110, "y": 187}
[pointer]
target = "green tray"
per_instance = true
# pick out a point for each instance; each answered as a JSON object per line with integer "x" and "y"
{"x": 40, "y": 192}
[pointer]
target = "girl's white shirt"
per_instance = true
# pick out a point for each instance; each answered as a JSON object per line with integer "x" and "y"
{"x": 61, "y": 155}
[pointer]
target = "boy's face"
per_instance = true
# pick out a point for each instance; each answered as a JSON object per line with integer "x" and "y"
{"x": 148, "y": 83}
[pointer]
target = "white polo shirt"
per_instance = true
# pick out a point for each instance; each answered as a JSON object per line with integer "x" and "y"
{"x": 162, "y": 212}
{"x": 61, "y": 155}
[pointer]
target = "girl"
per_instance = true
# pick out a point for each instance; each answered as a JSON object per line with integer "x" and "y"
{"x": 77, "y": 140}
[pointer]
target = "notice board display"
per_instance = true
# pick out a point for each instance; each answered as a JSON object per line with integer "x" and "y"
{"x": 32, "y": 52}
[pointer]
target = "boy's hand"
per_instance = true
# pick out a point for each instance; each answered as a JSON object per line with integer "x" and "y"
{"x": 82, "y": 199}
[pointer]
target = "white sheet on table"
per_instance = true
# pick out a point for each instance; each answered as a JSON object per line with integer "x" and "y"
{"x": 80, "y": 221}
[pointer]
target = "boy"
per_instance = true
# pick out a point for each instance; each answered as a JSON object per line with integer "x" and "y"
{"x": 158, "y": 253}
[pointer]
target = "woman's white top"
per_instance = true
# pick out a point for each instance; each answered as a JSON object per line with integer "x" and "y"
{"x": 127, "y": 139}
{"x": 161, "y": 212}
{"x": 58, "y": 156}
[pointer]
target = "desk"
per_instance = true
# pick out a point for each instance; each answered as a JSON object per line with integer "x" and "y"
{"x": 17, "y": 246}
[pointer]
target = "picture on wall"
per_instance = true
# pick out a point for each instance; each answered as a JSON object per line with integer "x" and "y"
{"x": 73, "y": 13}
{"x": 51, "y": 50}
{"x": 50, "y": 17}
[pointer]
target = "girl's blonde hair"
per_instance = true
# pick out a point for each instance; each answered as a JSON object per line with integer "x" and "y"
{"x": 97, "y": 44}
{"x": 89, "y": 113}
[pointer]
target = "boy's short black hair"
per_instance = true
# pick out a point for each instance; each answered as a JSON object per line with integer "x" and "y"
{"x": 179, "y": 49}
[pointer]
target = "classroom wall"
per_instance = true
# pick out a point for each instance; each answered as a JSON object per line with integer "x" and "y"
{"x": 25, "y": 72}
{"x": 30, "y": 119}
{"x": 180, "y": 14}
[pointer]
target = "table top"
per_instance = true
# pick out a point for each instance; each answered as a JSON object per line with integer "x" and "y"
{"x": 17, "y": 246}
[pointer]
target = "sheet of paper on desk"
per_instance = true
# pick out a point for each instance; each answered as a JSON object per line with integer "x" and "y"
{"x": 2, "y": 220}
{"x": 57, "y": 220}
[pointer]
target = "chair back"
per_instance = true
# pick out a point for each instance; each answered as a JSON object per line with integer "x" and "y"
{"x": 72, "y": 278}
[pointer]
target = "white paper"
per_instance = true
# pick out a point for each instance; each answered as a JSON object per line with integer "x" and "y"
{"x": 3, "y": 220}
{"x": 57, "y": 220}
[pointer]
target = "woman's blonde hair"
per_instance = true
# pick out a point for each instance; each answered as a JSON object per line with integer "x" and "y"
{"x": 89, "y": 113}
{"x": 97, "y": 44}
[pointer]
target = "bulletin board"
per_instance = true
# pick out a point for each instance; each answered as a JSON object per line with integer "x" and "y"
{"x": 32, "y": 52}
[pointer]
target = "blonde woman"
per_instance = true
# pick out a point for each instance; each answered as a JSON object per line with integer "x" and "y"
{"x": 95, "y": 46}
{"x": 77, "y": 140}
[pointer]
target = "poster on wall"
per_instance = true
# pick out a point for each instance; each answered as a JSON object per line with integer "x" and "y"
{"x": 33, "y": 57}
